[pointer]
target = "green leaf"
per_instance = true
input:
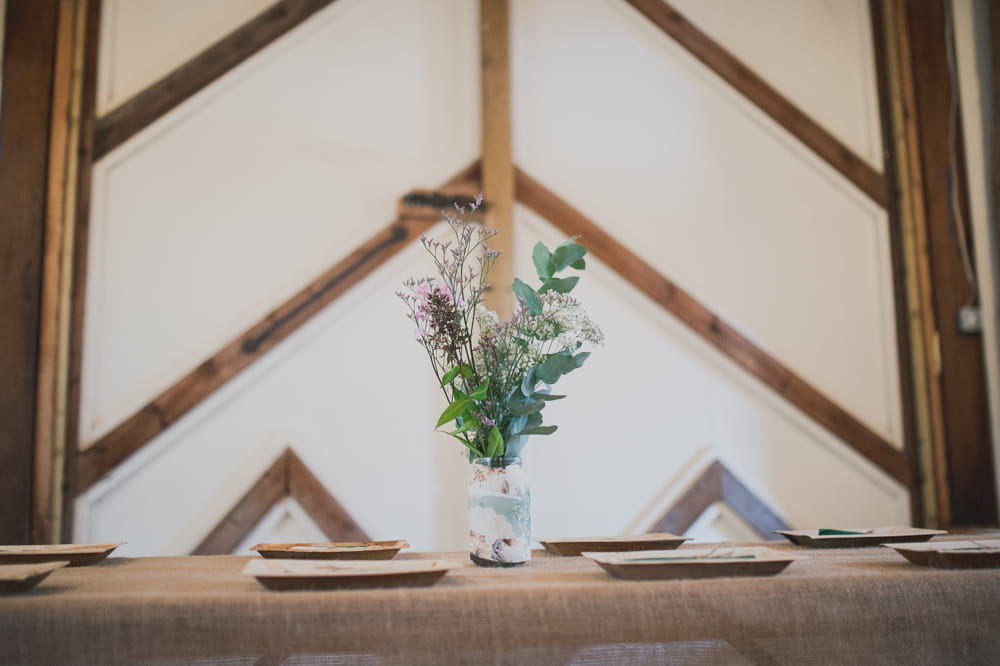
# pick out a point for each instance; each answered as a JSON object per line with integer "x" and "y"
{"x": 529, "y": 296}
{"x": 534, "y": 420}
{"x": 525, "y": 408}
{"x": 467, "y": 444}
{"x": 579, "y": 264}
{"x": 580, "y": 358}
{"x": 555, "y": 367}
{"x": 559, "y": 285}
{"x": 543, "y": 261}
{"x": 471, "y": 424}
{"x": 540, "y": 430}
{"x": 453, "y": 411}
{"x": 547, "y": 396}
{"x": 494, "y": 448}
{"x": 516, "y": 424}
{"x": 567, "y": 254}
{"x": 449, "y": 376}
{"x": 480, "y": 392}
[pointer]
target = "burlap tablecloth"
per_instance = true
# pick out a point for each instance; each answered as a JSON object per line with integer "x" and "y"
{"x": 857, "y": 606}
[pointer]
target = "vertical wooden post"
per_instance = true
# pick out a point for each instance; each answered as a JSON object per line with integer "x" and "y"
{"x": 947, "y": 376}
{"x": 54, "y": 319}
{"x": 497, "y": 166}
{"x": 27, "y": 62}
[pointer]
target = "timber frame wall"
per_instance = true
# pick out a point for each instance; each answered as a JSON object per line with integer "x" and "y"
{"x": 944, "y": 413}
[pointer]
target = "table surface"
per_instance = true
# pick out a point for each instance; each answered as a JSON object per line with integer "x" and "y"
{"x": 862, "y": 605}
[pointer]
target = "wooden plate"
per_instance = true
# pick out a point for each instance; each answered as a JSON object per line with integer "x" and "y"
{"x": 76, "y": 554}
{"x": 313, "y": 575}
{"x": 346, "y": 550}
{"x": 693, "y": 563}
{"x": 857, "y": 537}
{"x": 619, "y": 544}
{"x": 20, "y": 577}
{"x": 977, "y": 554}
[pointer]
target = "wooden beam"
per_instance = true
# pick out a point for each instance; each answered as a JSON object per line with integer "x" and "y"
{"x": 71, "y": 60}
{"x": 78, "y": 266}
{"x": 164, "y": 410}
{"x": 267, "y": 491}
{"x": 27, "y": 75}
{"x": 765, "y": 97}
{"x": 967, "y": 458}
{"x": 718, "y": 484}
{"x": 288, "y": 476}
{"x": 146, "y": 107}
{"x": 714, "y": 330}
{"x": 321, "y": 506}
{"x": 912, "y": 346}
{"x": 498, "y": 169}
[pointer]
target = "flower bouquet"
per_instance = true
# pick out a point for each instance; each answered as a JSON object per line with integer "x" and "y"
{"x": 497, "y": 375}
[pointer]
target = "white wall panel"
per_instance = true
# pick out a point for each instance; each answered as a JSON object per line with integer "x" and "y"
{"x": 237, "y": 199}
{"x": 144, "y": 40}
{"x": 655, "y": 405}
{"x": 655, "y": 149}
{"x": 817, "y": 53}
{"x": 349, "y": 392}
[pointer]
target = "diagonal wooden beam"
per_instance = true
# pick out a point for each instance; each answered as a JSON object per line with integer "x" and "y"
{"x": 158, "y": 99}
{"x": 715, "y": 331}
{"x": 156, "y": 416}
{"x": 288, "y": 476}
{"x": 718, "y": 484}
{"x": 765, "y": 97}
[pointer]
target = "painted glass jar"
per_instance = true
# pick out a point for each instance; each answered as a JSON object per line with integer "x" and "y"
{"x": 499, "y": 513}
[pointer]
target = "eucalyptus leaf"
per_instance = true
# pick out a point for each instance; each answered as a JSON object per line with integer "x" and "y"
{"x": 555, "y": 367}
{"x": 525, "y": 408}
{"x": 559, "y": 285}
{"x": 533, "y": 421}
{"x": 543, "y": 261}
{"x": 517, "y": 424}
{"x": 540, "y": 430}
{"x": 567, "y": 254}
{"x": 547, "y": 396}
{"x": 452, "y": 411}
{"x": 579, "y": 264}
{"x": 529, "y": 296}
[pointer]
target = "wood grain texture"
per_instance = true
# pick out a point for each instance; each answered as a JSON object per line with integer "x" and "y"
{"x": 497, "y": 167}
{"x": 718, "y": 484}
{"x": 28, "y": 62}
{"x": 714, "y": 330}
{"x": 910, "y": 346}
{"x": 80, "y": 247}
{"x": 158, "y": 99}
{"x": 765, "y": 97}
{"x": 268, "y": 490}
{"x": 288, "y": 476}
{"x": 71, "y": 57}
{"x": 159, "y": 414}
{"x": 321, "y": 506}
{"x": 967, "y": 454}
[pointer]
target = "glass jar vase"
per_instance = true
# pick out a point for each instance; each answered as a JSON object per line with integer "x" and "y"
{"x": 499, "y": 513}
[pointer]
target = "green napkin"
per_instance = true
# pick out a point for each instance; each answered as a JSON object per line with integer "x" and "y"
{"x": 689, "y": 559}
{"x": 826, "y": 531}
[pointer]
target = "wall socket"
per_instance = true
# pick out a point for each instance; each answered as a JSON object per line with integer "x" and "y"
{"x": 969, "y": 320}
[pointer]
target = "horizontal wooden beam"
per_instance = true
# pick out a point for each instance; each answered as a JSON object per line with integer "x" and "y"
{"x": 146, "y": 107}
{"x": 765, "y": 97}
{"x": 164, "y": 410}
{"x": 714, "y": 330}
